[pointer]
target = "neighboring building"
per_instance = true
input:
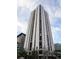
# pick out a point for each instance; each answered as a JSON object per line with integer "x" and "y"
{"x": 57, "y": 50}
{"x": 57, "y": 46}
{"x": 20, "y": 40}
{"x": 39, "y": 35}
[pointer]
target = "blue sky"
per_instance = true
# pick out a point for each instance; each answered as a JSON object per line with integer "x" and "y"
{"x": 53, "y": 7}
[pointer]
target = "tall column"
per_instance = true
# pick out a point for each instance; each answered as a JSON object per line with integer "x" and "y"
{"x": 34, "y": 33}
{"x": 26, "y": 44}
{"x": 42, "y": 21}
{"x": 50, "y": 34}
{"x": 37, "y": 29}
{"x": 45, "y": 33}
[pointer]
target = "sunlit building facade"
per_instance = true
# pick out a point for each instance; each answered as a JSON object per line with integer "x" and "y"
{"x": 39, "y": 35}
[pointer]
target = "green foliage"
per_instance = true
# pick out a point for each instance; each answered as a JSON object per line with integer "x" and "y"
{"x": 57, "y": 51}
{"x": 21, "y": 52}
{"x": 57, "y": 46}
{"x": 35, "y": 54}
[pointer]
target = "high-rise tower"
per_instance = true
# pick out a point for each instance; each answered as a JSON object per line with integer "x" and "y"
{"x": 39, "y": 35}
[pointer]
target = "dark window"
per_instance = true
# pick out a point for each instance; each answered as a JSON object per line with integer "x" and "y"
{"x": 40, "y": 38}
{"x": 48, "y": 42}
{"x": 40, "y": 52}
{"x": 40, "y": 29}
{"x": 40, "y": 44}
{"x": 40, "y": 26}
{"x": 30, "y": 45}
{"x": 40, "y": 57}
{"x": 29, "y": 53}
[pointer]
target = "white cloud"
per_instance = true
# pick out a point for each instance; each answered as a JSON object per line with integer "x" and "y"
{"x": 56, "y": 34}
{"x": 30, "y": 4}
{"x": 20, "y": 3}
{"x": 57, "y": 29}
{"x": 54, "y": 29}
{"x": 21, "y": 27}
{"x": 58, "y": 13}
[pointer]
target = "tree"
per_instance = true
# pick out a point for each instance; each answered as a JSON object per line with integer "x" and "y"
{"x": 35, "y": 54}
{"x": 21, "y": 53}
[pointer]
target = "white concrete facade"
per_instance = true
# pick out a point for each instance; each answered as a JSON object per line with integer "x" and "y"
{"x": 39, "y": 36}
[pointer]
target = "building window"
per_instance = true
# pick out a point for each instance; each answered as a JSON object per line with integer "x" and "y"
{"x": 40, "y": 38}
{"x": 40, "y": 44}
{"x": 30, "y": 45}
{"x": 40, "y": 52}
{"x": 40, "y": 26}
